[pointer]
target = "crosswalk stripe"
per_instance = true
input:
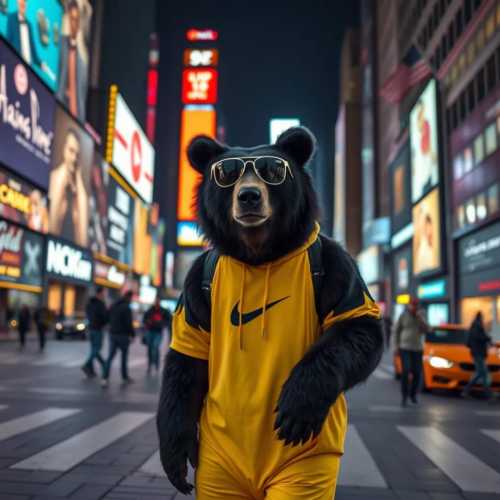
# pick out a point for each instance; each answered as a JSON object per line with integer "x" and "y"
{"x": 381, "y": 375}
{"x": 357, "y": 467}
{"x": 493, "y": 434}
{"x": 152, "y": 466}
{"x": 388, "y": 368}
{"x": 3, "y": 407}
{"x": 463, "y": 468}
{"x": 66, "y": 454}
{"x": 32, "y": 421}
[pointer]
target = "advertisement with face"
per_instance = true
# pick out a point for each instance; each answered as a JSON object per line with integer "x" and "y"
{"x": 120, "y": 234}
{"x": 98, "y": 205}
{"x": 74, "y": 60}
{"x": 70, "y": 180}
{"x": 401, "y": 190}
{"x": 21, "y": 256}
{"x": 424, "y": 144}
{"x": 22, "y": 203}
{"x": 33, "y": 29}
{"x": 426, "y": 240}
{"x": 133, "y": 155}
{"x": 26, "y": 120}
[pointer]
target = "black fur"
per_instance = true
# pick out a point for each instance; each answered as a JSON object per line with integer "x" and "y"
{"x": 344, "y": 357}
{"x": 295, "y": 204}
{"x": 184, "y": 387}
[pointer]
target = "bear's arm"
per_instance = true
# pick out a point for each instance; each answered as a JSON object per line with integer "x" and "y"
{"x": 184, "y": 387}
{"x": 349, "y": 350}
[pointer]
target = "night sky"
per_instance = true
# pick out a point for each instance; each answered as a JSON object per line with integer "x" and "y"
{"x": 277, "y": 59}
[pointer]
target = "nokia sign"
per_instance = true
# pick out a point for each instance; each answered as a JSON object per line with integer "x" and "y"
{"x": 69, "y": 262}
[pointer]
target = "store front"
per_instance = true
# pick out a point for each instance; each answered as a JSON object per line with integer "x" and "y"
{"x": 113, "y": 276}
{"x": 69, "y": 275}
{"x": 21, "y": 264}
{"x": 479, "y": 279}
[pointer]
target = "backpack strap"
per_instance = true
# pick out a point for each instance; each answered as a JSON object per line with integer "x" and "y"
{"x": 315, "y": 252}
{"x": 208, "y": 275}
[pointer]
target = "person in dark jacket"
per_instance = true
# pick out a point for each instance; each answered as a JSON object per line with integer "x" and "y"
{"x": 44, "y": 318}
{"x": 155, "y": 320}
{"x": 478, "y": 343}
{"x": 121, "y": 331}
{"x": 97, "y": 315}
{"x": 23, "y": 320}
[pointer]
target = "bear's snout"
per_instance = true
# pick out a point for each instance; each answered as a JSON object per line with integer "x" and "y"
{"x": 249, "y": 198}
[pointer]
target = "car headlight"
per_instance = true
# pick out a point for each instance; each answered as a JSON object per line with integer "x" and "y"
{"x": 80, "y": 327}
{"x": 437, "y": 362}
{"x": 58, "y": 326}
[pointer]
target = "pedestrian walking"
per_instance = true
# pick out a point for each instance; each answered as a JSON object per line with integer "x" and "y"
{"x": 23, "y": 324}
{"x": 478, "y": 342}
{"x": 44, "y": 319}
{"x": 155, "y": 321}
{"x": 121, "y": 332}
{"x": 97, "y": 315}
{"x": 409, "y": 338}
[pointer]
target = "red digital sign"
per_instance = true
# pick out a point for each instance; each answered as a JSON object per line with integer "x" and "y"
{"x": 199, "y": 86}
{"x": 202, "y": 35}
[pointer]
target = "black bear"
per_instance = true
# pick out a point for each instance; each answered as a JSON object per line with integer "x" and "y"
{"x": 267, "y": 336}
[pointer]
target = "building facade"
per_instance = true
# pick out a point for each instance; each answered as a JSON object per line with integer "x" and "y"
{"x": 443, "y": 162}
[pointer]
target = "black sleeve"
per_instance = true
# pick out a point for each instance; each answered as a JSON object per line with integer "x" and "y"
{"x": 349, "y": 350}
{"x": 481, "y": 336}
{"x": 146, "y": 317}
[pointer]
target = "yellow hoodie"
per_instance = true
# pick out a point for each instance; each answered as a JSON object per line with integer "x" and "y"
{"x": 263, "y": 321}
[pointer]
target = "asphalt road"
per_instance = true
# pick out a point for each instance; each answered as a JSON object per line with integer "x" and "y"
{"x": 63, "y": 436}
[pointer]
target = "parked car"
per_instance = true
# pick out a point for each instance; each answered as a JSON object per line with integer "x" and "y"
{"x": 448, "y": 363}
{"x": 74, "y": 326}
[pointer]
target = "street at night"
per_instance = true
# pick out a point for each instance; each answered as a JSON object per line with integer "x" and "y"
{"x": 250, "y": 250}
{"x": 63, "y": 436}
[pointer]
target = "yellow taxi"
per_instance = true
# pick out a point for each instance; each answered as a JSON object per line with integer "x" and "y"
{"x": 447, "y": 362}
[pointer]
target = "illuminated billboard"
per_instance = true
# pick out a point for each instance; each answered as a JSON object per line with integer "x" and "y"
{"x": 201, "y": 57}
{"x": 76, "y": 31}
{"x": 69, "y": 187}
{"x": 188, "y": 235}
{"x": 128, "y": 148}
{"x": 33, "y": 29}
{"x": 21, "y": 254}
{"x": 278, "y": 125}
{"x": 22, "y": 203}
{"x": 199, "y": 86}
{"x": 427, "y": 237}
{"x": 202, "y": 35}
{"x": 194, "y": 122}
{"x": 26, "y": 120}
{"x": 424, "y": 144}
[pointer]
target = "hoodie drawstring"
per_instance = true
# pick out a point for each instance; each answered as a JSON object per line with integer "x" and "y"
{"x": 240, "y": 329}
{"x": 264, "y": 303}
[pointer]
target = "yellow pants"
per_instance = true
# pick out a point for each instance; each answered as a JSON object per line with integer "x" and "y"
{"x": 312, "y": 478}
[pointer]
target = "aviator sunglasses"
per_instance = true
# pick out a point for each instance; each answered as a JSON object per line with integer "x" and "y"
{"x": 270, "y": 169}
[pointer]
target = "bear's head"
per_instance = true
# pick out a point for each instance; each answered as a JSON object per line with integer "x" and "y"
{"x": 256, "y": 204}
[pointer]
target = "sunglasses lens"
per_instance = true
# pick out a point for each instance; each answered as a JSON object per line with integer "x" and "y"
{"x": 271, "y": 170}
{"x": 227, "y": 172}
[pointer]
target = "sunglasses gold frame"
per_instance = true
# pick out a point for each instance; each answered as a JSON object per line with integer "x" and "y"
{"x": 246, "y": 160}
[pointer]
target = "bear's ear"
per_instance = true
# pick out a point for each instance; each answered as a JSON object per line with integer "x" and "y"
{"x": 299, "y": 143}
{"x": 201, "y": 150}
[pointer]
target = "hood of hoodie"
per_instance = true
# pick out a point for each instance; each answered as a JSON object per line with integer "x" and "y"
{"x": 269, "y": 266}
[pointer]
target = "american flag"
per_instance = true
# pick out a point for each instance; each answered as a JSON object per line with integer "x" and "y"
{"x": 410, "y": 71}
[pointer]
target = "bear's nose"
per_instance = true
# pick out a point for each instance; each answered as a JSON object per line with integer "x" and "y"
{"x": 249, "y": 197}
